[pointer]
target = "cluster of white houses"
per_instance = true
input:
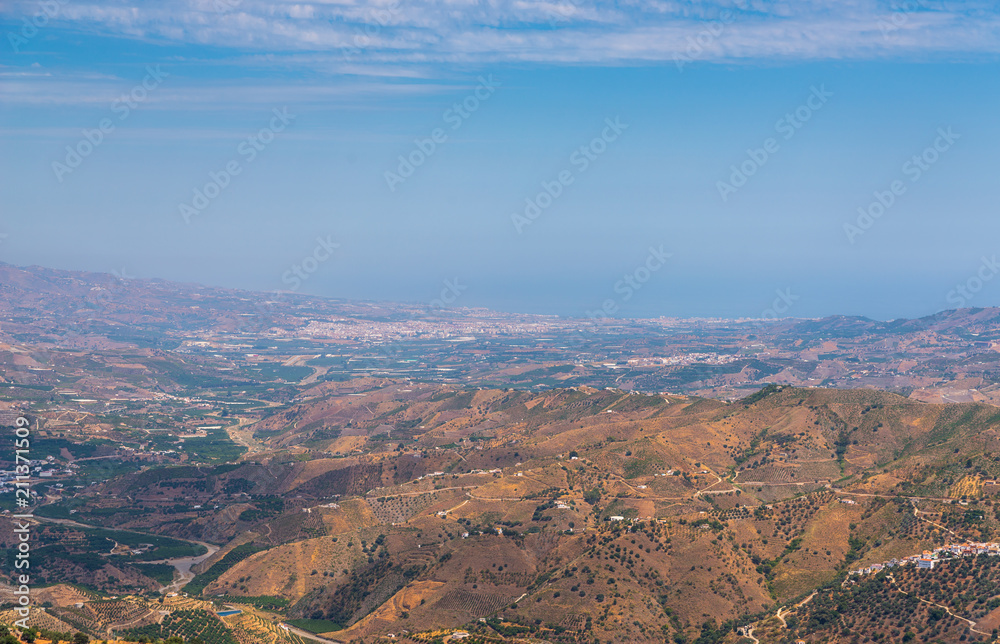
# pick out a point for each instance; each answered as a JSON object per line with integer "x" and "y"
{"x": 930, "y": 557}
{"x": 44, "y": 468}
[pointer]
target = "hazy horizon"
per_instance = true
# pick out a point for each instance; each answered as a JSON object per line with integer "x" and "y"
{"x": 638, "y": 159}
{"x": 769, "y": 314}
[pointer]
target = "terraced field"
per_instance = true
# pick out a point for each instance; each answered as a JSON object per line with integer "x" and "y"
{"x": 250, "y": 628}
{"x": 397, "y": 509}
{"x": 476, "y": 604}
{"x": 186, "y": 624}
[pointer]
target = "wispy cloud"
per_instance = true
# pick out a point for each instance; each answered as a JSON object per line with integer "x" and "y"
{"x": 59, "y": 90}
{"x": 422, "y": 32}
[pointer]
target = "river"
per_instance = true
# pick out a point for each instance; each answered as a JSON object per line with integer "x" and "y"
{"x": 182, "y": 565}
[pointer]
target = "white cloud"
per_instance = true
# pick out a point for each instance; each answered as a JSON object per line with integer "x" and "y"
{"x": 52, "y": 90}
{"x": 558, "y": 31}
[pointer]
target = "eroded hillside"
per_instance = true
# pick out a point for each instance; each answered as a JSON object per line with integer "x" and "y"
{"x": 378, "y": 507}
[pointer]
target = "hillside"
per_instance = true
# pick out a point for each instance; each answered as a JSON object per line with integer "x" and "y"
{"x": 72, "y": 336}
{"x": 377, "y": 506}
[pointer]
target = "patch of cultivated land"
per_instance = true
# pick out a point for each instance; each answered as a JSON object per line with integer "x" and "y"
{"x": 575, "y": 514}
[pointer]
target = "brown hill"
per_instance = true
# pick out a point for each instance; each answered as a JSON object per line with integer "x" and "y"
{"x": 576, "y": 513}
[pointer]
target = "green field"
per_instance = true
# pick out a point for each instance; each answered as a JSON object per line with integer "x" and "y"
{"x": 233, "y": 557}
{"x": 264, "y": 602}
{"x": 187, "y": 624}
{"x": 162, "y": 573}
{"x": 216, "y": 447}
{"x": 315, "y": 625}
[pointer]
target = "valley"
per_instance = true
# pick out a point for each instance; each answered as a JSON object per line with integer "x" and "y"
{"x": 204, "y": 480}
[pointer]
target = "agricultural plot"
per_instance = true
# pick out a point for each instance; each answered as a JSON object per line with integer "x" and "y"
{"x": 82, "y": 618}
{"x": 117, "y": 614}
{"x": 397, "y": 509}
{"x": 187, "y": 624}
{"x": 162, "y": 573}
{"x": 316, "y": 625}
{"x": 38, "y": 619}
{"x": 264, "y": 602}
{"x": 249, "y": 628}
{"x": 908, "y": 605}
{"x": 769, "y": 474}
{"x": 476, "y": 604}
{"x": 574, "y": 622}
{"x": 233, "y": 557}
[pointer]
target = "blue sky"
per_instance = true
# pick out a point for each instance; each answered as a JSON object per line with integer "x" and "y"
{"x": 745, "y": 137}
